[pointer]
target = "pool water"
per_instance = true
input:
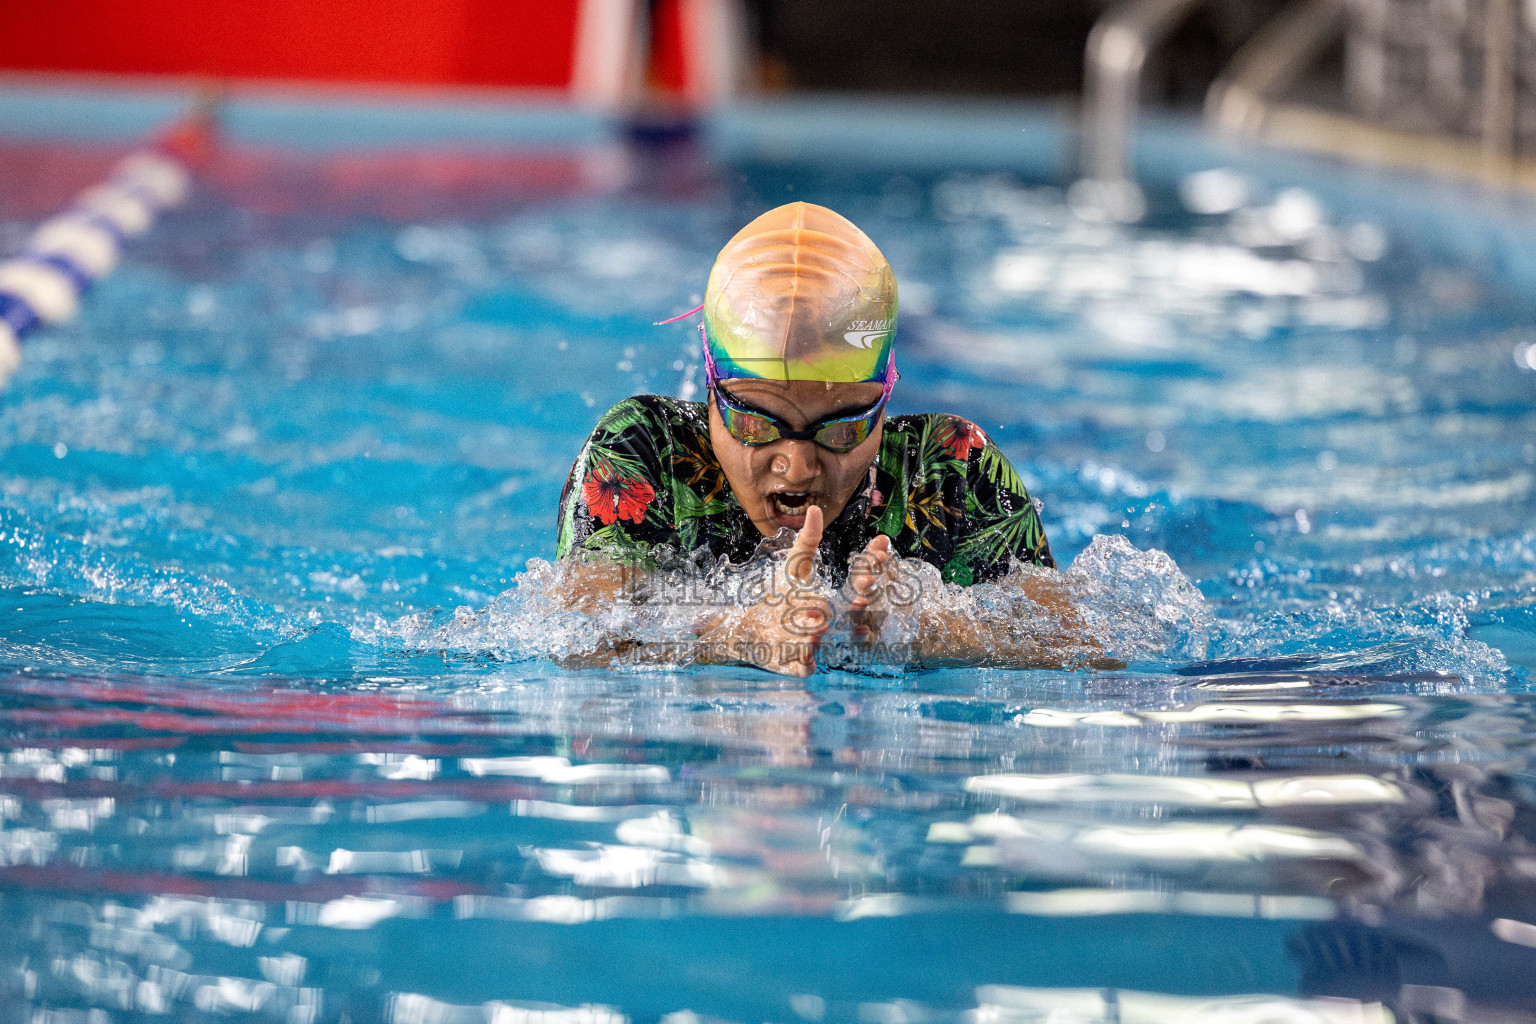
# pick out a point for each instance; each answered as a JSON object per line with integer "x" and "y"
{"x": 284, "y": 735}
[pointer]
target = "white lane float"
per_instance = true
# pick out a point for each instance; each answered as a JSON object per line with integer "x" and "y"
{"x": 66, "y": 254}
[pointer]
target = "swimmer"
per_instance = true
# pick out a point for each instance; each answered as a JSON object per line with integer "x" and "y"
{"x": 798, "y": 332}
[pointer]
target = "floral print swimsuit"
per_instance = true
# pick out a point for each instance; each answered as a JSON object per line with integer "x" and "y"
{"x": 647, "y": 490}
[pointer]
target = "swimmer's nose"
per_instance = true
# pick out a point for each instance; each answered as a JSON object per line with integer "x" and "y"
{"x": 796, "y": 463}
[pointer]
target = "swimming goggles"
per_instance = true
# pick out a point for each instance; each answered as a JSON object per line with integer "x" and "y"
{"x": 754, "y": 427}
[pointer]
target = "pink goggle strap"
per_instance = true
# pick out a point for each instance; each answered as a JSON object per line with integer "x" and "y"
{"x": 680, "y": 316}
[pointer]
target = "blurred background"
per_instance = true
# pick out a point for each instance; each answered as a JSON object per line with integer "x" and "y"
{"x": 1370, "y": 79}
{"x": 985, "y": 46}
{"x": 1460, "y": 69}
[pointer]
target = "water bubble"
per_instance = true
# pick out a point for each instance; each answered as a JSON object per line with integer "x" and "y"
{"x": 1219, "y": 190}
{"x": 358, "y": 320}
{"x": 1111, "y": 202}
{"x": 810, "y": 1007}
{"x": 319, "y": 256}
{"x": 201, "y": 302}
{"x": 1295, "y": 214}
{"x": 1155, "y": 441}
{"x": 1365, "y": 242}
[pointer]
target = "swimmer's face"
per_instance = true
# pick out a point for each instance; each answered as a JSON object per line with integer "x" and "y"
{"x": 777, "y": 483}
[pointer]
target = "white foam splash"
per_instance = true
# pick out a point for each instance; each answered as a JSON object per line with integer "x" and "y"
{"x": 1122, "y": 603}
{"x": 1139, "y": 603}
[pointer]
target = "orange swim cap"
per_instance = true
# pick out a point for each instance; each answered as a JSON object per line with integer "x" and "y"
{"x": 801, "y": 294}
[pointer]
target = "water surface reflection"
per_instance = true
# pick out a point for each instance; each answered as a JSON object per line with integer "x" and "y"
{"x": 980, "y": 845}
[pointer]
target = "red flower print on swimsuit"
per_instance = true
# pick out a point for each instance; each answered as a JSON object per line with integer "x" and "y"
{"x": 610, "y": 498}
{"x": 961, "y": 437}
{"x": 647, "y": 488}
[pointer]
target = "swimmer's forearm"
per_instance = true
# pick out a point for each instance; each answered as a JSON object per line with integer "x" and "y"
{"x": 719, "y": 639}
{"x": 723, "y": 640}
{"x": 1057, "y": 639}
{"x": 727, "y": 639}
{"x": 589, "y": 587}
{"x": 947, "y": 639}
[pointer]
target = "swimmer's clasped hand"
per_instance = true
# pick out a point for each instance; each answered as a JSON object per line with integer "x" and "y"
{"x": 782, "y": 632}
{"x": 870, "y": 574}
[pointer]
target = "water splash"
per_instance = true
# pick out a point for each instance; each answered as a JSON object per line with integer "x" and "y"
{"x": 1139, "y": 604}
{"x": 1431, "y": 634}
{"x": 1121, "y": 604}
{"x": 1114, "y": 602}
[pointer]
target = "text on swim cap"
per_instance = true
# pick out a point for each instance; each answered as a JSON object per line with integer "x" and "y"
{"x": 866, "y": 333}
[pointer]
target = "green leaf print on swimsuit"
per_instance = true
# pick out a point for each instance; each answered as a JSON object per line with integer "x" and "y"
{"x": 647, "y": 487}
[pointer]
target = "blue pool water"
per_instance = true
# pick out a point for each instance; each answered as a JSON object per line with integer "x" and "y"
{"x": 283, "y": 738}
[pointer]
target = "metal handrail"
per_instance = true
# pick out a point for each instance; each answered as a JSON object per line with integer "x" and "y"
{"x": 1500, "y": 34}
{"x": 1117, "y": 51}
{"x": 1269, "y": 63}
{"x": 1243, "y": 100}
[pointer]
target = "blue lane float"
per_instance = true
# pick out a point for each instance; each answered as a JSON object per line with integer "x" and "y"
{"x": 42, "y": 285}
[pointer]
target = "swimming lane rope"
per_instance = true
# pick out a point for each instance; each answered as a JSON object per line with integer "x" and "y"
{"x": 70, "y": 251}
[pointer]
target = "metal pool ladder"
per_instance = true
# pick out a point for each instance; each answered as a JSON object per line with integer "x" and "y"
{"x": 1117, "y": 51}
{"x": 1442, "y": 70}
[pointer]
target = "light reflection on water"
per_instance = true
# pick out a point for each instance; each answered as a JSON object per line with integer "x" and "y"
{"x": 172, "y": 848}
{"x": 279, "y": 742}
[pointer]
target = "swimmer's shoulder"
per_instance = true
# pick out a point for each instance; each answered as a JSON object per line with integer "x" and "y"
{"x": 949, "y": 445}
{"x": 653, "y": 413}
{"x": 911, "y": 426}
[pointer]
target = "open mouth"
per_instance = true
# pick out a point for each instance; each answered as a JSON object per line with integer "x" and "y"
{"x": 789, "y": 507}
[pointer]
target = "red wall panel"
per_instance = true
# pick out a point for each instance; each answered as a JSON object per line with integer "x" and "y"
{"x": 669, "y": 62}
{"x": 467, "y": 42}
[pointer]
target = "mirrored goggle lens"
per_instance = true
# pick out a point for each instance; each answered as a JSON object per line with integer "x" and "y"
{"x": 747, "y": 427}
{"x": 845, "y": 435}
{"x": 839, "y": 436}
